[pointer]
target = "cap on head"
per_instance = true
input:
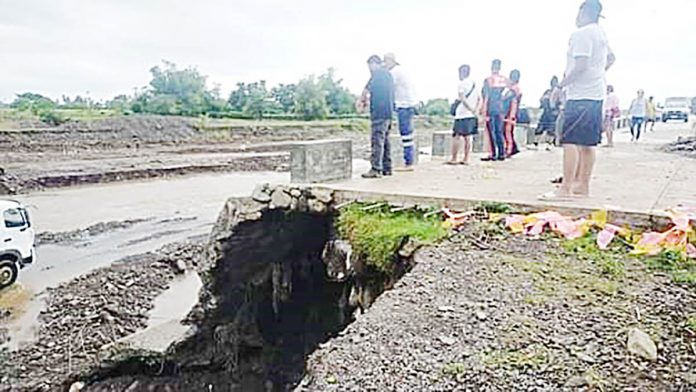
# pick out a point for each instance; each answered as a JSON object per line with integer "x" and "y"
{"x": 592, "y": 8}
{"x": 390, "y": 58}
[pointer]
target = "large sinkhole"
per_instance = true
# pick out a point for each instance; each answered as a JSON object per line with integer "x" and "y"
{"x": 276, "y": 285}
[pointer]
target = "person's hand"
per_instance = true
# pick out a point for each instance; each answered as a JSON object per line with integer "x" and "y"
{"x": 360, "y": 105}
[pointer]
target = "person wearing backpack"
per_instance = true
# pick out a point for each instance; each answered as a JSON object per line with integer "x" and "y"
{"x": 464, "y": 111}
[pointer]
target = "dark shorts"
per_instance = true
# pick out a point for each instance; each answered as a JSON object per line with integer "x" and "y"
{"x": 465, "y": 127}
{"x": 582, "y": 123}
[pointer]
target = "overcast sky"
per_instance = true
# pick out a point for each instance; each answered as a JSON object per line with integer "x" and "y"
{"x": 106, "y": 47}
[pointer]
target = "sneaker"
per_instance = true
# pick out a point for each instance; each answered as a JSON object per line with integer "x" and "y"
{"x": 372, "y": 174}
{"x": 408, "y": 168}
{"x": 387, "y": 173}
{"x": 500, "y": 159}
{"x": 488, "y": 159}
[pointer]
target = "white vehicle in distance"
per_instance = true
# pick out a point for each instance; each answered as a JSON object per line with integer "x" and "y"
{"x": 676, "y": 108}
{"x": 16, "y": 241}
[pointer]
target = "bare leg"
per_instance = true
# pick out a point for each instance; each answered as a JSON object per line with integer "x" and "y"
{"x": 571, "y": 160}
{"x": 467, "y": 149}
{"x": 587, "y": 160}
{"x": 456, "y": 146}
{"x": 610, "y": 135}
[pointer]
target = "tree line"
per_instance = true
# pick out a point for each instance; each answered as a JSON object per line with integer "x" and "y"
{"x": 184, "y": 92}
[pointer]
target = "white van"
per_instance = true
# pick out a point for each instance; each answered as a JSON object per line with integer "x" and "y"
{"x": 16, "y": 241}
{"x": 676, "y": 108}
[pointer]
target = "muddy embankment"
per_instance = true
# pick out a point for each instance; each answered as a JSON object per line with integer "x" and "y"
{"x": 277, "y": 283}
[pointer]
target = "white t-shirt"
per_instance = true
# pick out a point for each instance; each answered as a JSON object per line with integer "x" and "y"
{"x": 404, "y": 94}
{"x": 588, "y": 41}
{"x": 465, "y": 86}
{"x": 639, "y": 107}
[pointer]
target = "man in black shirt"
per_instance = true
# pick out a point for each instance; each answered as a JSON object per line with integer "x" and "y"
{"x": 380, "y": 90}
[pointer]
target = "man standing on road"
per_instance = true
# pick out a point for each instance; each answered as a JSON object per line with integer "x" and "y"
{"x": 589, "y": 57}
{"x": 465, "y": 121}
{"x": 638, "y": 110}
{"x": 651, "y": 112}
{"x": 406, "y": 102}
{"x": 493, "y": 88}
{"x": 380, "y": 90}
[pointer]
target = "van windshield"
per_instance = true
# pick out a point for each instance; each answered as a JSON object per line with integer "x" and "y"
{"x": 14, "y": 218}
{"x": 676, "y": 103}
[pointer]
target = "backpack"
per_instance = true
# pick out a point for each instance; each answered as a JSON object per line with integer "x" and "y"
{"x": 455, "y": 104}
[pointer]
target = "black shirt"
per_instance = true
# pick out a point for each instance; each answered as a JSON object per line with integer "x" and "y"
{"x": 381, "y": 88}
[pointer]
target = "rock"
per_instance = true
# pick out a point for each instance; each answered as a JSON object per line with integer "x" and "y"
{"x": 76, "y": 387}
{"x": 294, "y": 192}
{"x": 280, "y": 199}
{"x": 576, "y": 382}
{"x": 180, "y": 266}
{"x": 640, "y": 344}
{"x": 337, "y": 257}
{"x": 409, "y": 248}
{"x": 261, "y": 193}
{"x": 448, "y": 341}
{"x": 316, "y": 206}
{"x": 481, "y": 315}
{"x": 323, "y": 195}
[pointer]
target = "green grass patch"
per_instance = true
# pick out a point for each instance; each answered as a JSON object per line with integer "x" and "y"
{"x": 691, "y": 323}
{"x": 677, "y": 264}
{"x": 377, "y": 234}
{"x": 610, "y": 262}
{"x": 493, "y": 207}
{"x": 454, "y": 369}
{"x": 533, "y": 356}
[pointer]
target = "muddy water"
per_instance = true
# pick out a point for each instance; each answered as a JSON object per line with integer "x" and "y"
{"x": 174, "y": 210}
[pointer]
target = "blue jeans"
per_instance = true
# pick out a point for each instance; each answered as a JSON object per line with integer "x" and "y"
{"x": 636, "y": 125}
{"x": 495, "y": 129}
{"x": 381, "y": 153}
{"x": 405, "y": 116}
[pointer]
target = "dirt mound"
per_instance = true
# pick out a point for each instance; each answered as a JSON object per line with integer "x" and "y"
{"x": 105, "y": 133}
{"x": 686, "y": 146}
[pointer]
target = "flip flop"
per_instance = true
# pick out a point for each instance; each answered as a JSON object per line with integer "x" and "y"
{"x": 553, "y": 196}
{"x": 464, "y": 163}
{"x": 451, "y": 163}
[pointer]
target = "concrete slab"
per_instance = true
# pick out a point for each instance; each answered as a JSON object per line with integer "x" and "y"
{"x": 321, "y": 160}
{"x": 634, "y": 178}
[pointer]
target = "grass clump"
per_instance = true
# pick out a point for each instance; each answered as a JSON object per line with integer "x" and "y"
{"x": 533, "y": 356}
{"x": 677, "y": 264}
{"x": 609, "y": 262}
{"x": 454, "y": 369}
{"x": 377, "y": 234}
{"x": 493, "y": 207}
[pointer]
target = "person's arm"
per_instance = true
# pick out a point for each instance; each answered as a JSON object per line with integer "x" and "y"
{"x": 361, "y": 102}
{"x": 581, "y": 48}
{"x": 611, "y": 59}
{"x": 463, "y": 100}
{"x": 581, "y": 65}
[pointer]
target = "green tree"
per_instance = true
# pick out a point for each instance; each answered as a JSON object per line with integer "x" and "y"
{"x": 257, "y": 100}
{"x": 32, "y": 102}
{"x": 310, "y": 99}
{"x": 284, "y": 96}
{"x": 175, "y": 91}
{"x": 338, "y": 98}
{"x": 437, "y": 107}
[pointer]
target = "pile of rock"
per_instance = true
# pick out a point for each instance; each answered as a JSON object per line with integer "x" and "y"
{"x": 683, "y": 145}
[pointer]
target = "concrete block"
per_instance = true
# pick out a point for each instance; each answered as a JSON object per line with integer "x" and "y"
{"x": 531, "y": 135}
{"x": 397, "y": 150}
{"x": 321, "y": 160}
{"x": 442, "y": 143}
{"x": 520, "y": 134}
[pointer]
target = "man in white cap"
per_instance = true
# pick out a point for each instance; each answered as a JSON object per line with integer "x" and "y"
{"x": 405, "y": 102}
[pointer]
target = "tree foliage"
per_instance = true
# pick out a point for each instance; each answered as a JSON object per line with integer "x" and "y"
{"x": 437, "y": 107}
{"x": 310, "y": 99}
{"x": 32, "y": 102}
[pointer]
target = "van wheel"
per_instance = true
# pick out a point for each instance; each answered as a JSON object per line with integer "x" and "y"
{"x": 8, "y": 273}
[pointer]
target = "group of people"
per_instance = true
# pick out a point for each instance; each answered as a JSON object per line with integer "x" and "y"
{"x": 497, "y": 106}
{"x": 576, "y": 110}
{"x": 388, "y": 90}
